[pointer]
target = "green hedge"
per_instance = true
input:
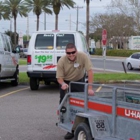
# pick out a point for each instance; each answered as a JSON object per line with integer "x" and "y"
{"x": 112, "y": 52}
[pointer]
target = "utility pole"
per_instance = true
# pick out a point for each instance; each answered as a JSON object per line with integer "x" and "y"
{"x": 70, "y": 22}
{"x": 77, "y": 7}
{"x": 10, "y": 27}
{"x": 27, "y": 28}
{"x": 44, "y": 21}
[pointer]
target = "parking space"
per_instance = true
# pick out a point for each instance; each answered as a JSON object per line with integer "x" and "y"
{"x": 29, "y": 115}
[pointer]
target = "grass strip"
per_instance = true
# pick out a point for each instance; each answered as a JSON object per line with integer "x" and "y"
{"x": 98, "y": 77}
{"x": 22, "y": 61}
{"x": 115, "y": 77}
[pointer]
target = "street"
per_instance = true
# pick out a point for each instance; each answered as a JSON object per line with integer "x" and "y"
{"x": 111, "y": 64}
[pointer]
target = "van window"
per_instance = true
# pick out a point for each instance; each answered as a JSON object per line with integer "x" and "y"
{"x": 11, "y": 44}
{"x": 44, "y": 41}
{"x": 6, "y": 45}
{"x": 1, "y": 44}
{"x": 63, "y": 39}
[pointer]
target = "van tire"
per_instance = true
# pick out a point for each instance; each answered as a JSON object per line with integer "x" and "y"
{"x": 82, "y": 132}
{"x": 16, "y": 81}
{"x": 34, "y": 83}
{"x": 47, "y": 83}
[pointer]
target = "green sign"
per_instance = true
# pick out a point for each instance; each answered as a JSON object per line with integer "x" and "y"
{"x": 43, "y": 58}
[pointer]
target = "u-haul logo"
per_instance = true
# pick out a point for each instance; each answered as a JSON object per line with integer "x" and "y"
{"x": 132, "y": 113}
{"x": 129, "y": 113}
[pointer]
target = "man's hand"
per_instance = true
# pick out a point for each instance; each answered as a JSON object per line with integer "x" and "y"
{"x": 64, "y": 86}
{"x": 90, "y": 92}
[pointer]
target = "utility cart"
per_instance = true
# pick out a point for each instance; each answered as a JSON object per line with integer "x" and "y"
{"x": 112, "y": 114}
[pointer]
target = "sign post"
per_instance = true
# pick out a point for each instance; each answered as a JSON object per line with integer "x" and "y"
{"x": 104, "y": 41}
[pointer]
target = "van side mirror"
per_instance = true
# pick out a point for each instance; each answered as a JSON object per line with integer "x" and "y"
{"x": 17, "y": 49}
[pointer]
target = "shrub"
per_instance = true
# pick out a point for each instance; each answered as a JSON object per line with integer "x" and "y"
{"x": 112, "y": 52}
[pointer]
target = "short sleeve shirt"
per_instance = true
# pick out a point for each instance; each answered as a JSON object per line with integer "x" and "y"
{"x": 73, "y": 71}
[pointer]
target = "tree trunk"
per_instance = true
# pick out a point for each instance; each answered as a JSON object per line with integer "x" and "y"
{"x": 37, "y": 25}
{"x": 15, "y": 34}
{"x": 56, "y": 22}
{"x": 87, "y": 21}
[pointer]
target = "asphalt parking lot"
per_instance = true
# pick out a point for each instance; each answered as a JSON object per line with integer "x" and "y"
{"x": 29, "y": 115}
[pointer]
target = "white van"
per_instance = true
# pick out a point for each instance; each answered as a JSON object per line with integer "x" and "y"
{"x": 9, "y": 68}
{"x": 45, "y": 49}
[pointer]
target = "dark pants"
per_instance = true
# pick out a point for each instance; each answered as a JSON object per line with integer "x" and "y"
{"x": 74, "y": 88}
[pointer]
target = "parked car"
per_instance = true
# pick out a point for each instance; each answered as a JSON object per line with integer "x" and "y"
{"x": 109, "y": 47}
{"x": 23, "y": 52}
{"x": 133, "y": 61}
{"x": 9, "y": 57}
{"x": 45, "y": 49}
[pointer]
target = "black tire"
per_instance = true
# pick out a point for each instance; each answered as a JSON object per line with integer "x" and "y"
{"x": 47, "y": 83}
{"x": 16, "y": 77}
{"x": 82, "y": 132}
{"x": 129, "y": 66}
{"x": 34, "y": 83}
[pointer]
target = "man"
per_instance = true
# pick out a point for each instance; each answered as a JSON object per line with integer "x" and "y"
{"x": 72, "y": 67}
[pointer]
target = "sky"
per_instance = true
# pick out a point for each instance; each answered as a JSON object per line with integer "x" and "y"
{"x": 67, "y": 18}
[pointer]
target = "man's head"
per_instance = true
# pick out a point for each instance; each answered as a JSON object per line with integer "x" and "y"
{"x": 71, "y": 51}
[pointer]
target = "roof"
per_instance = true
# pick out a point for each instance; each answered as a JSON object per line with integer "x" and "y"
{"x": 70, "y": 31}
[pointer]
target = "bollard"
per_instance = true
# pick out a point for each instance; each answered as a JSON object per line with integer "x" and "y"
{"x": 124, "y": 67}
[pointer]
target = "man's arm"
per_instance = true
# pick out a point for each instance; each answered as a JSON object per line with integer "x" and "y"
{"x": 60, "y": 81}
{"x": 90, "y": 76}
{"x": 64, "y": 86}
{"x": 90, "y": 81}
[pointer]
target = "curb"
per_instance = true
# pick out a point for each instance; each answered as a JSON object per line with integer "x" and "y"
{"x": 109, "y": 82}
{"x": 100, "y": 56}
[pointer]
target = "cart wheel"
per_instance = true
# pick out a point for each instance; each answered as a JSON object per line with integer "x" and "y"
{"x": 82, "y": 132}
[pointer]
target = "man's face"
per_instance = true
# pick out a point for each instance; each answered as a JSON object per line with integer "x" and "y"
{"x": 71, "y": 54}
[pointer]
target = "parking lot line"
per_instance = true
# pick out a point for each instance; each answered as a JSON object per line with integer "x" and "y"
{"x": 99, "y": 88}
{"x": 7, "y": 94}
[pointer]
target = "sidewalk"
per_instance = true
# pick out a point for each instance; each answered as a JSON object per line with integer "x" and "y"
{"x": 96, "y": 70}
{"x": 107, "y": 57}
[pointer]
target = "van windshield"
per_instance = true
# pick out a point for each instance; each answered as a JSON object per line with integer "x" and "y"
{"x": 63, "y": 39}
{"x": 44, "y": 41}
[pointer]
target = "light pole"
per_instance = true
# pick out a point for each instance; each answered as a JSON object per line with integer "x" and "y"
{"x": 69, "y": 24}
{"x": 77, "y": 7}
{"x": 70, "y": 21}
{"x": 44, "y": 23}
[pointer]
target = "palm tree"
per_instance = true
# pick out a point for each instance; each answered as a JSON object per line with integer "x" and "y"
{"x": 15, "y": 7}
{"x": 3, "y": 13}
{"x": 57, "y": 4}
{"x": 38, "y": 6}
{"x": 87, "y": 20}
